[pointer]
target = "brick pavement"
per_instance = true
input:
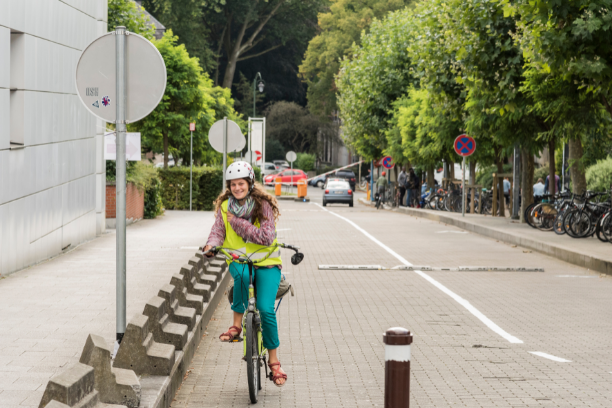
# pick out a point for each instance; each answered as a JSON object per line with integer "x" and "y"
{"x": 330, "y": 333}
{"x": 47, "y": 311}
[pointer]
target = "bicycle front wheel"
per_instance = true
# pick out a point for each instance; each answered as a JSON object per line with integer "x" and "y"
{"x": 252, "y": 357}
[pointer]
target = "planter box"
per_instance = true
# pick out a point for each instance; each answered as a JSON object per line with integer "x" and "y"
{"x": 134, "y": 201}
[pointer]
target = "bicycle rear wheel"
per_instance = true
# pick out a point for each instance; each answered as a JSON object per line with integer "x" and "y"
{"x": 579, "y": 223}
{"x": 252, "y": 357}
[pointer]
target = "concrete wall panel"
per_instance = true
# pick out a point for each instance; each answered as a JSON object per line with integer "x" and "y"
{"x": 5, "y": 124}
{"x": 5, "y": 55}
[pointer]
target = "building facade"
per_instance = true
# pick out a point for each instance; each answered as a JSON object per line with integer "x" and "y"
{"x": 52, "y": 170}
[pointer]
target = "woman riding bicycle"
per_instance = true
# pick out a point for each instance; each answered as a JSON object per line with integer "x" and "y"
{"x": 246, "y": 221}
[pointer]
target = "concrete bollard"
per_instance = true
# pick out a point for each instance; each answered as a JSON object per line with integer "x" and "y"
{"x": 164, "y": 331}
{"x": 397, "y": 367}
{"x": 192, "y": 285}
{"x": 71, "y": 387}
{"x": 178, "y": 314}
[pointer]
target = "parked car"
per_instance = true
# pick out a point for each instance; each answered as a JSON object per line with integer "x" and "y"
{"x": 344, "y": 174}
{"x": 337, "y": 191}
{"x": 270, "y": 168}
{"x": 281, "y": 163}
{"x": 287, "y": 176}
{"x": 318, "y": 181}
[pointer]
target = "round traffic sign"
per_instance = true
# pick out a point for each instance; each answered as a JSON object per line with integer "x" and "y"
{"x": 96, "y": 77}
{"x": 235, "y": 138}
{"x": 291, "y": 156}
{"x": 465, "y": 145}
{"x": 387, "y": 162}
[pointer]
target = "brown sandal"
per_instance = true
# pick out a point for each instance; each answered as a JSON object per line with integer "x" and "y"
{"x": 275, "y": 375}
{"x": 229, "y": 334}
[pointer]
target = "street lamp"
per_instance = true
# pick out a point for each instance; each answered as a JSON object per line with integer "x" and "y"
{"x": 259, "y": 85}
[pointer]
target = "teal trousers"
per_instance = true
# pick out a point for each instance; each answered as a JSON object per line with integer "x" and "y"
{"x": 266, "y": 287}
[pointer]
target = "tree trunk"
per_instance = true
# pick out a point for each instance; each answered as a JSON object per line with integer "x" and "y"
{"x": 166, "y": 151}
{"x": 527, "y": 166}
{"x": 430, "y": 177}
{"x": 451, "y": 170}
{"x": 472, "y": 179}
{"x": 552, "y": 183}
{"x": 577, "y": 174}
{"x": 500, "y": 187}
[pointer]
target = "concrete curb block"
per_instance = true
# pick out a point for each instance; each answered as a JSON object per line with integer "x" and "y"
{"x": 563, "y": 254}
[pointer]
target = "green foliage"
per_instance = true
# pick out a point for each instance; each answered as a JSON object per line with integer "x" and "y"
{"x": 141, "y": 174}
{"x": 540, "y": 172}
{"x": 153, "y": 205}
{"x": 378, "y": 73}
{"x": 599, "y": 176}
{"x": 484, "y": 175}
{"x": 340, "y": 28}
{"x": 274, "y": 150}
{"x": 305, "y": 162}
{"x": 130, "y": 15}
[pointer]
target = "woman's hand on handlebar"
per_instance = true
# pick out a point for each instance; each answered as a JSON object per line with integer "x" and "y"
{"x": 206, "y": 249}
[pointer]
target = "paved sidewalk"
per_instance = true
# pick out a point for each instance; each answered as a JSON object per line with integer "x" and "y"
{"x": 588, "y": 252}
{"x": 331, "y": 332}
{"x": 48, "y": 310}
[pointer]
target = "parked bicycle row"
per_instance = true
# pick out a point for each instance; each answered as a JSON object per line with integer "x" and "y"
{"x": 577, "y": 215}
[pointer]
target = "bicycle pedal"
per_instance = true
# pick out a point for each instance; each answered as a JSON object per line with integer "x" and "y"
{"x": 237, "y": 340}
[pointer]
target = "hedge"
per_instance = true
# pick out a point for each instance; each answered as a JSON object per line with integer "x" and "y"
{"x": 599, "y": 176}
{"x": 206, "y": 187}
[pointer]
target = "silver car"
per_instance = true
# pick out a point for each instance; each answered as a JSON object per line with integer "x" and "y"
{"x": 269, "y": 168}
{"x": 337, "y": 191}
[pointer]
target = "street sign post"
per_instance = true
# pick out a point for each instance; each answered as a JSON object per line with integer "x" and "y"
{"x": 464, "y": 146}
{"x": 291, "y": 157}
{"x": 124, "y": 71}
{"x": 191, "y": 129}
{"x": 226, "y": 137}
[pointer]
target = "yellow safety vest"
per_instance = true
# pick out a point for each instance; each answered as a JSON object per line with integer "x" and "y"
{"x": 255, "y": 251}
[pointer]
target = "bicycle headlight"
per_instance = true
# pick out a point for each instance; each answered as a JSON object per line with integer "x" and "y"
{"x": 252, "y": 301}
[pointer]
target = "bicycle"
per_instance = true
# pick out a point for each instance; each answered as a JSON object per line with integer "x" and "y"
{"x": 253, "y": 350}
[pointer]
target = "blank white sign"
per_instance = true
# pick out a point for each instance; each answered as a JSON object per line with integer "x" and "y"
{"x": 132, "y": 146}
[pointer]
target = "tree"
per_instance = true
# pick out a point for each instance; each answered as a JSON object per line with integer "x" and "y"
{"x": 379, "y": 72}
{"x": 185, "y": 19}
{"x": 274, "y": 150}
{"x": 294, "y": 127}
{"x": 340, "y": 28}
{"x": 130, "y": 15}
{"x": 167, "y": 127}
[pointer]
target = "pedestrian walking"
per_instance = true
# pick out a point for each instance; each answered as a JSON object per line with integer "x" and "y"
{"x": 382, "y": 184}
{"x": 507, "y": 190}
{"x": 557, "y": 184}
{"x": 401, "y": 182}
{"x": 539, "y": 188}
{"x": 412, "y": 188}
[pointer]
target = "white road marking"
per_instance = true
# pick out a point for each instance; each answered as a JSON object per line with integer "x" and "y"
{"x": 479, "y": 315}
{"x": 190, "y": 247}
{"x": 454, "y": 232}
{"x": 550, "y": 357}
{"x": 283, "y": 229}
{"x": 575, "y": 276}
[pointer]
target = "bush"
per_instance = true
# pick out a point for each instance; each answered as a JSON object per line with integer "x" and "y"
{"x": 541, "y": 172}
{"x": 599, "y": 176}
{"x": 207, "y": 185}
{"x": 305, "y": 162}
{"x": 153, "y": 205}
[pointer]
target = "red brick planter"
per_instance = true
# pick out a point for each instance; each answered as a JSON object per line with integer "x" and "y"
{"x": 134, "y": 204}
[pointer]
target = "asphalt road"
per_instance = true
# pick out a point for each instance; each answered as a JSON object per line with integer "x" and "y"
{"x": 481, "y": 339}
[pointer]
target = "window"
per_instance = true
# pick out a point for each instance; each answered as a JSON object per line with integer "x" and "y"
{"x": 17, "y": 84}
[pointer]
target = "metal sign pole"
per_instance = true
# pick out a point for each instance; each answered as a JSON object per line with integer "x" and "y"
{"x": 224, "y": 150}
{"x": 463, "y": 190}
{"x": 516, "y": 182}
{"x": 190, "y": 171}
{"x": 120, "y": 188}
{"x": 291, "y": 188}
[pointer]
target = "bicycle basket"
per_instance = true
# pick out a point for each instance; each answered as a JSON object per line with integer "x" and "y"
{"x": 283, "y": 288}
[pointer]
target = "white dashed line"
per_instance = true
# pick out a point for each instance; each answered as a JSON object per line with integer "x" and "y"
{"x": 550, "y": 357}
{"x": 479, "y": 315}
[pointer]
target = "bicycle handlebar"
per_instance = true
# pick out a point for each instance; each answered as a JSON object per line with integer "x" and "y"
{"x": 246, "y": 259}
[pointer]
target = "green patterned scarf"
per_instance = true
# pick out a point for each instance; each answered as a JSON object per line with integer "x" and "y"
{"x": 241, "y": 211}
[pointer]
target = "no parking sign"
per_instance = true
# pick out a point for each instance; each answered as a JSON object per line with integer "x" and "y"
{"x": 465, "y": 145}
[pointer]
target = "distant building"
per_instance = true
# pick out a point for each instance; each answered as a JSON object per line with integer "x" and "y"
{"x": 52, "y": 172}
{"x": 160, "y": 29}
{"x": 332, "y": 150}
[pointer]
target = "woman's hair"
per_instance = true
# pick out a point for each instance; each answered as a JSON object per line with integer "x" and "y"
{"x": 259, "y": 194}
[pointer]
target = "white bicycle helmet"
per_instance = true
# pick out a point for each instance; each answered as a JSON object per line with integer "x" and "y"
{"x": 238, "y": 170}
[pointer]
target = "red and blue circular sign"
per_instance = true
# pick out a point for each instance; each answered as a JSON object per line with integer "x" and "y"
{"x": 465, "y": 145}
{"x": 387, "y": 162}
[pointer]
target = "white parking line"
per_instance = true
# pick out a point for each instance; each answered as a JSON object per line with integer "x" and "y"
{"x": 550, "y": 357}
{"x": 479, "y": 315}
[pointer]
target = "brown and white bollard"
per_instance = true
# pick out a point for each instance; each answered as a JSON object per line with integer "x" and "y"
{"x": 397, "y": 367}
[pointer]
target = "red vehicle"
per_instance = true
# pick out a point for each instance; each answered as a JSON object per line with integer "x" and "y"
{"x": 287, "y": 175}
